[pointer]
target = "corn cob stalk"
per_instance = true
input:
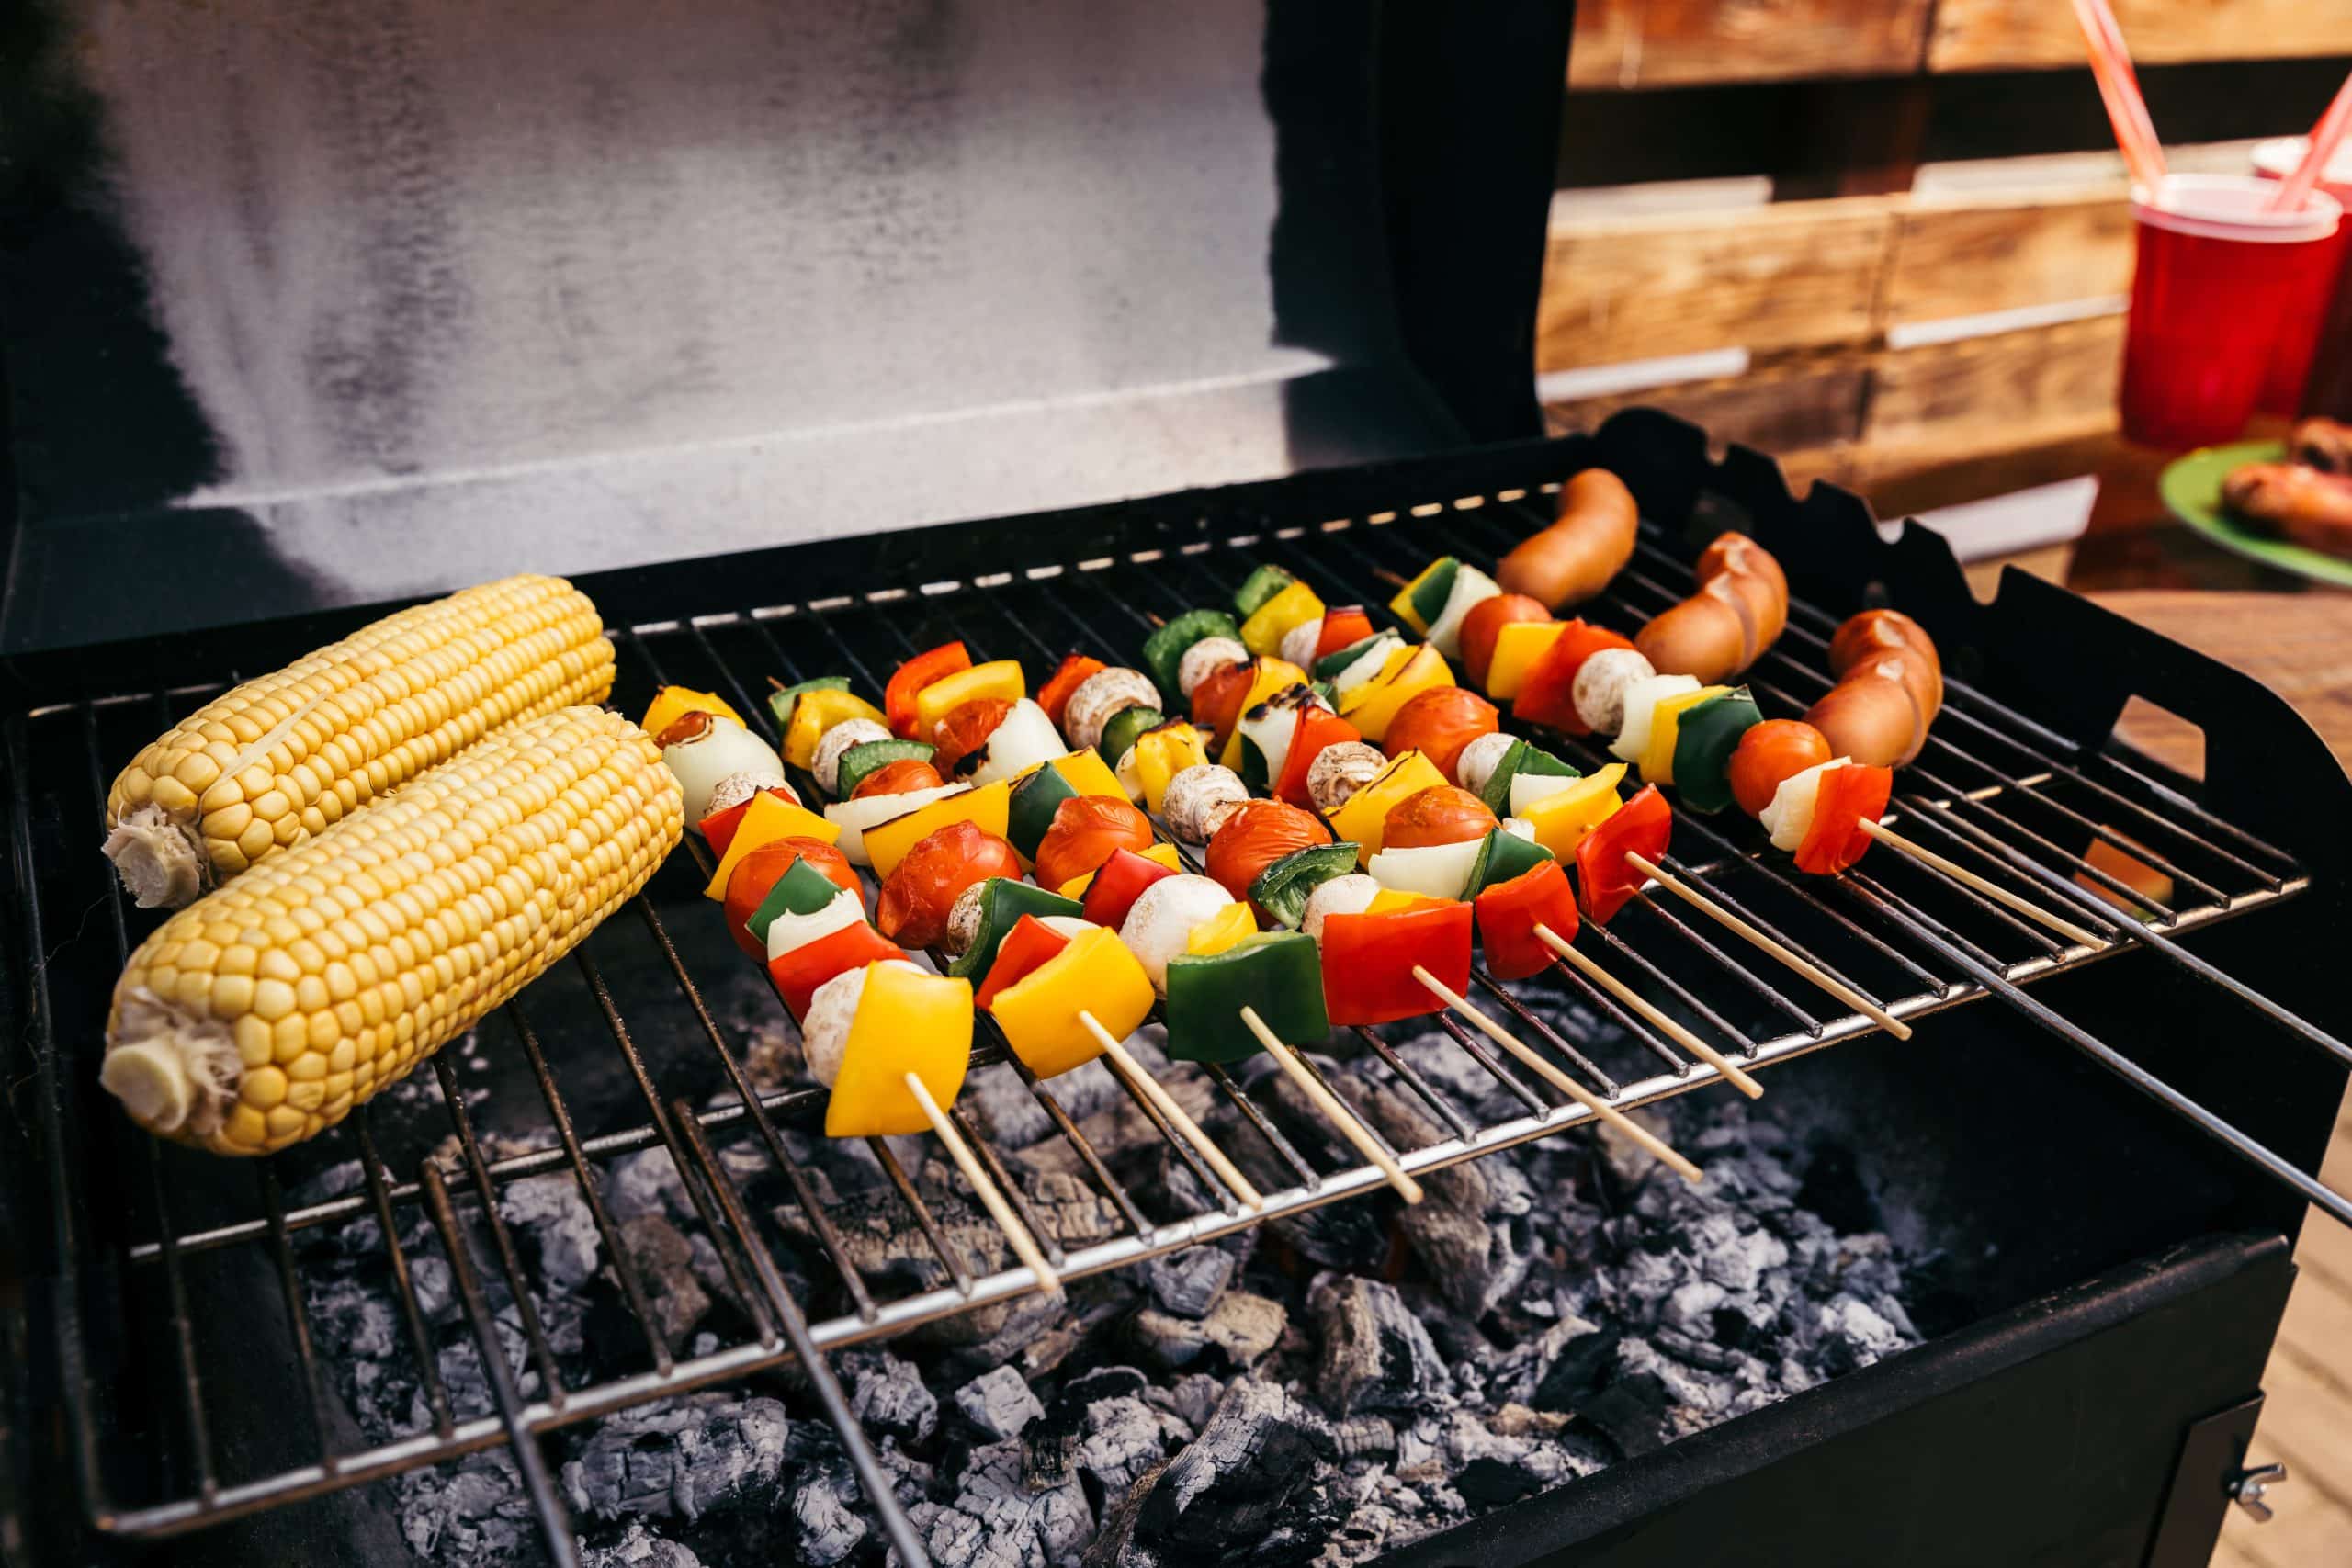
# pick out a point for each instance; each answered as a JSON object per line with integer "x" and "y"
{"x": 262, "y": 1014}
{"x": 284, "y": 756}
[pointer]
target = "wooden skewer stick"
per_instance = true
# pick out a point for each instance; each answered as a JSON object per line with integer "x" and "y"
{"x": 1024, "y": 1245}
{"x": 1992, "y": 890}
{"x": 1778, "y": 950}
{"x": 1730, "y": 1071}
{"x": 1330, "y": 1104}
{"x": 1527, "y": 1057}
{"x": 1151, "y": 1089}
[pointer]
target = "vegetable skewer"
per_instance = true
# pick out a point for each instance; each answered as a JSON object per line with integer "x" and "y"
{"x": 1024, "y": 1245}
{"x": 1332, "y": 1107}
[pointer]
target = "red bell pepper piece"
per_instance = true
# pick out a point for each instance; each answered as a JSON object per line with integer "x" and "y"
{"x": 911, "y": 678}
{"x": 1347, "y": 624}
{"x": 1054, "y": 696}
{"x": 797, "y": 974}
{"x": 1025, "y": 947}
{"x": 1642, "y": 825}
{"x": 1117, "y": 886}
{"x": 1319, "y": 726}
{"x": 1508, "y": 913}
{"x": 1848, "y": 796}
{"x": 1368, "y": 960}
{"x": 1548, "y": 695}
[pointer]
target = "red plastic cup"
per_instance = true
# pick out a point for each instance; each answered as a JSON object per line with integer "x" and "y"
{"x": 2300, "y": 335}
{"x": 2217, "y": 279}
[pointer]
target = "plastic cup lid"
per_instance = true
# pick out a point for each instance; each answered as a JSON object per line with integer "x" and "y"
{"x": 2233, "y": 207}
{"x": 2282, "y": 155}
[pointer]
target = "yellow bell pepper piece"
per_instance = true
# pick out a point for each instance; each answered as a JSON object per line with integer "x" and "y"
{"x": 1273, "y": 675}
{"x": 1362, "y": 819}
{"x": 1562, "y": 820}
{"x": 767, "y": 819}
{"x": 815, "y": 713}
{"x": 1262, "y": 633}
{"x": 1095, "y": 974}
{"x": 998, "y": 678}
{"x": 1666, "y": 726}
{"x": 907, "y": 1021}
{"x": 1403, "y": 603}
{"x": 1425, "y": 670}
{"x": 1221, "y": 931}
{"x": 1389, "y": 900}
{"x": 1517, "y": 648}
{"x": 887, "y": 844}
{"x": 1159, "y": 854}
{"x": 672, "y": 703}
{"x": 1161, "y": 754}
{"x": 1088, "y": 773}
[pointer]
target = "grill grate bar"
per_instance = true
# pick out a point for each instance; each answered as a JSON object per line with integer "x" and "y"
{"x": 555, "y": 1525}
{"x": 502, "y": 1239}
{"x": 428, "y": 1365}
{"x": 298, "y": 1321}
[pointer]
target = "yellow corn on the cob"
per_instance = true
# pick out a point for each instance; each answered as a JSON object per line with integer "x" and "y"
{"x": 263, "y": 1013}
{"x": 282, "y": 757}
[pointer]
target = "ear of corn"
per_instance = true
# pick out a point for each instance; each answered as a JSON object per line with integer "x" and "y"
{"x": 263, "y": 1013}
{"x": 283, "y": 756}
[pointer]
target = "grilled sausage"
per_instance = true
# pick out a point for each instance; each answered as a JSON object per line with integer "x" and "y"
{"x": 1740, "y": 606}
{"x": 1574, "y": 558}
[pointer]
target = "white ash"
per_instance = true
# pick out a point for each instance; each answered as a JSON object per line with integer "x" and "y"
{"x": 1322, "y": 1389}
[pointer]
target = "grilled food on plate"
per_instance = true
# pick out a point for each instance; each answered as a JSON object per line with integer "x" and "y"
{"x": 2303, "y": 506}
{"x": 277, "y": 762}
{"x": 260, "y": 1015}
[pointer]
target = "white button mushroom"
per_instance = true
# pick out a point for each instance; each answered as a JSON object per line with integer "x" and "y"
{"x": 1300, "y": 642}
{"x": 832, "y": 1008}
{"x": 1100, "y": 697}
{"x": 1348, "y": 894}
{"x": 1475, "y": 766}
{"x": 1339, "y": 770}
{"x": 736, "y": 788}
{"x": 1600, "y": 690}
{"x": 1161, "y": 921}
{"x": 1191, "y": 795}
{"x": 849, "y": 732}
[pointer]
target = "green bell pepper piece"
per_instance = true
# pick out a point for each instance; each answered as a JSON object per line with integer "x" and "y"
{"x": 1003, "y": 900}
{"x": 1124, "y": 726}
{"x": 1276, "y": 972}
{"x": 1704, "y": 743}
{"x": 801, "y": 890}
{"x": 868, "y": 756}
{"x": 1262, "y": 584}
{"x": 1029, "y": 812}
{"x": 1502, "y": 857}
{"x": 1163, "y": 650}
{"x": 1283, "y": 888}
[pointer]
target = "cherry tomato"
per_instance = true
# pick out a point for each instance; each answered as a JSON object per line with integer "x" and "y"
{"x": 1771, "y": 752}
{"x": 1216, "y": 701}
{"x": 1259, "y": 833}
{"x": 1055, "y": 695}
{"x": 965, "y": 731}
{"x": 1485, "y": 621}
{"x": 1438, "y": 722}
{"x": 1088, "y": 829}
{"x": 915, "y": 900}
{"x": 898, "y": 778}
{"x": 756, "y": 875}
{"x": 1438, "y": 815}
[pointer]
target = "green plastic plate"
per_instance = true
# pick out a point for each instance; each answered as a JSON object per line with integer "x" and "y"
{"x": 2192, "y": 488}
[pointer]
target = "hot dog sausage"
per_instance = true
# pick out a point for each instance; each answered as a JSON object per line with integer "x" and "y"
{"x": 1889, "y": 689}
{"x": 1574, "y": 558}
{"x": 1737, "y": 612}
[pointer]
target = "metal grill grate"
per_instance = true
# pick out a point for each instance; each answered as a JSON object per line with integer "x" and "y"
{"x": 137, "y": 1221}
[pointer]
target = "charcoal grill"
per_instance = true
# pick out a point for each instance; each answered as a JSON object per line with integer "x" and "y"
{"x": 2123, "y": 1229}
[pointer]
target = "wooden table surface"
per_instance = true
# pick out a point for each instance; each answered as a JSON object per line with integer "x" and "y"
{"x": 2301, "y": 645}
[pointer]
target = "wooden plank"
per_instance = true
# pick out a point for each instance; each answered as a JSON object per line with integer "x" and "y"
{"x": 1796, "y": 276}
{"x": 1942, "y": 402}
{"x": 1809, "y": 404}
{"x": 1953, "y": 258}
{"x": 1659, "y": 43}
{"x": 1991, "y": 34}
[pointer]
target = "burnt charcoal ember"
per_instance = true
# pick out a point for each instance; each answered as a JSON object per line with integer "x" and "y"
{"x": 683, "y": 1457}
{"x": 1123, "y": 1437}
{"x": 998, "y": 1404}
{"x": 471, "y": 1515}
{"x": 1067, "y": 1206}
{"x": 880, "y": 1237}
{"x": 1096, "y": 1306}
{"x": 1239, "y": 1329}
{"x": 663, "y": 1262}
{"x": 889, "y": 1395}
{"x": 1376, "y": 1354}
{"x": 998, "y": 1521}
{"x": 1188, "y": 1283}
{"x": 1255, "y": 1487}
{"x": 1190, "y": 1398}
{"x": 553, "y": 1221}
{"x": 645, "y": 1182}
{"x": 639, "y": 1548}
{"x": 1471, "y": 1230}
{"x": 1114, "y": 1545}
{"x": 1548, "y": 1368}
{"x": 1491, "y": 1467}
{"x": 993, "y": 1335}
